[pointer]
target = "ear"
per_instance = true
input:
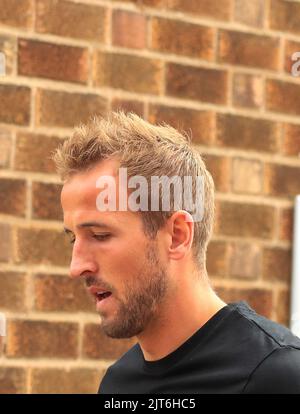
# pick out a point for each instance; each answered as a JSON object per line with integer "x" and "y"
{"x": 181, "y": 230}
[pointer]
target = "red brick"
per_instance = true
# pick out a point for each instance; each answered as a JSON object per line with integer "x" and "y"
{"x": 249, "y": 13}
{"x": 34, "y": 339}
{"x": 290, "y": 47}
{"x": 16, "y": 13}
{"x": 246, "y": 49}
{"x": 286, "y": 218}
{"x": 2, "y": 347}
{"x": 66, "y": 18}
{"x": 150, "y": 3}
{"x": 247, "y": 176}
{"x": 198, "y": 124}
{"x": 52, "y": 61}
{"x": 14, "y": 104}
{"x": 5, "y": 242}
{"x": 247, "y": 133}
{"x": 284, "y": 15}
{"x": 128, "y": 106}
{"x": 201, "y": 84}
{"x": 8, "y": 47}
{"x": 217, "y": 258}
{"x": 291, "y": 140}
{"x": 245, "y": 220}
{"x": 141, "y": 3}
{"x": 71, "y": 381}
{"x": 131, "y": 73}
{"x": 64, "y": 109}
{"x": 5, "y": 148}
{"x": 247, "y": 90}
{"x": 213, "y": 9}
{"x": 261, "y": 300}
{"x": 41, "y": 246}
{"x": 220, "y": 169}
{"x": 283, "y": 97}
{"x": 12, "y": 380}
{"x": 245, "y": 261}
{"x": 12, "y": 286}
{"x": 190, "y": 39}
{"x": 283, "y": 308}
{"x": 129, "y": 29}
{"x": 282, "y": 180}
{"x": 12, "y": 196}
{"x": 277, "y": 264}
{"x": 33, "y": 152}
{"x": 60, "y": 293}
{"x": 46, "y": 201}
{"x": 97, "y": 345}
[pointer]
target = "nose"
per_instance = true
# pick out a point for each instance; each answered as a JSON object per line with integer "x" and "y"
{"x": 83, "y": 262}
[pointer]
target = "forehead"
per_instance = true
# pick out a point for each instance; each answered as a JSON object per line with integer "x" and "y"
{"x": 79, "y": 195}
{"x": 80, "y": 191}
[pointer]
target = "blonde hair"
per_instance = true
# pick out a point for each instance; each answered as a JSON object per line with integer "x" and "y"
{"x": 144, "y": 149}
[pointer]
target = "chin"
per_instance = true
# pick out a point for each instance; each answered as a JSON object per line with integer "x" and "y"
{"x": 118, "y": 332}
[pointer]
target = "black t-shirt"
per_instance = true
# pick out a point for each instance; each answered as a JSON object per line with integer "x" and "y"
{"x": 237, "y": 351}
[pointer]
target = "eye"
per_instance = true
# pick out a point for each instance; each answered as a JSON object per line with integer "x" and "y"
{"x": 72, "y": 240}
{"x": 101, "y": 237}
{"x": 70, "y": 237}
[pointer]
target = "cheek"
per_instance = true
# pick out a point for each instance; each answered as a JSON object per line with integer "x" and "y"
{"x": 127, "y": 264}
{"x": 122, "y": 259}
{"x": 124, "y": 268}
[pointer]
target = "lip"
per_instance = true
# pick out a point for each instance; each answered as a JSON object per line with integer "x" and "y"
{"x": 93, "y": 290}
{"x": 103, "y": 303}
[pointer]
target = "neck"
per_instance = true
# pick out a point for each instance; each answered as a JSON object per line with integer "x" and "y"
{"x": 185, "y": 311}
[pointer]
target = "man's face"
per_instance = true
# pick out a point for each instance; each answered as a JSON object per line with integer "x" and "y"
{"x": 113, "y": 254}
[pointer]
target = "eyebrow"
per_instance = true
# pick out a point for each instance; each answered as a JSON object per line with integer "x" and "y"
{"x": 89, "y": 224}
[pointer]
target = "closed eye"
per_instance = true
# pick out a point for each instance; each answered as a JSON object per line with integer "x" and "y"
{"x": 101, "y": 237}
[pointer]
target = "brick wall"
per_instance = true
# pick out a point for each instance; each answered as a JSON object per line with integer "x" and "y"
{"x": 217, "y": 68}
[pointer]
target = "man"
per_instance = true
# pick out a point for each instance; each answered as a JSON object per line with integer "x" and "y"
{"x": 147, "y": 272}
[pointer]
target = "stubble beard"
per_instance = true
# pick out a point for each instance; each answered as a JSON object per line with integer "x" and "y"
{"x": 140, "y": 305}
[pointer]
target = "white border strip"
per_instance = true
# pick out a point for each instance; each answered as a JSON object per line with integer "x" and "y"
{"x": 295, "y": 286}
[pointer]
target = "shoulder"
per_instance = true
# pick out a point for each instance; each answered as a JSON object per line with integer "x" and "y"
{"x": 268, "y": 353}
{"x": 278, "y": 373}
{"x": 279, "y": 335}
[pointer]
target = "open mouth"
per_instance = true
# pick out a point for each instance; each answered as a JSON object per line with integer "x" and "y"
{"x": 102, "y": 295}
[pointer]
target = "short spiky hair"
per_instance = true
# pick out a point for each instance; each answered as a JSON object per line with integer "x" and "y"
{"x": 144, "y": 149}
